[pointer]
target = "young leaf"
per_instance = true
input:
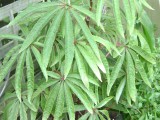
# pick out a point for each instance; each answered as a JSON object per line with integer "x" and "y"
{"x": 50, "y": 101}
{"x": 69, "y": 102}
{"x": 40, "y": 62}
{"x": 87, "y": 33}
{"x": 50, "y": 37}
{"x": 99, "y": 11}
{"x": 69, "y": 44}
{"x": 115, "y": 72}
{"x": 131, "y": 77}
{"x": 36, "y": 30}
{"x": 19, "y": 74}
{"x": 81, "y": 96}
{"x": 120, "y": 89}
{"x": 30, "y": 75}
{"x": 59, "y": 102}
{"x": 81, "y": 68}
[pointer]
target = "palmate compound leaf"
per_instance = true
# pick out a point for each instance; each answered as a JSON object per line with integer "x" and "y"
{"x": 19, "y": 74}
{"x": 81, "y": 68}
{"x": 36, "y": 30}
{"x": 80, "y": 94}
{"x": 69, "y": 44}
{"x": 59, "y": 102}
{"x": 50, "y": 101}
{"x": 115, "y": 72}
{"x": 30, "y": 75}
{"x": 40, "y": 62}
{"x": 86, "y": 33}
{"x": 6, "y": 67}
{"x": 140, "y": 68}
{"x": 40, "y": 7}
{"x": 130, "y": 69}
{"x": 99, "y": 11}
{"x": 50, "y": 37}
{"x": 91, "y": 61}
{"x": 69, "y": 102}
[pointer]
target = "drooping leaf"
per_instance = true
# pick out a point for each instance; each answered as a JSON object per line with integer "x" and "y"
{"x": 40, "y": 62}
{"x": 19, "y": 74}
{"x": 79, "y": 93}
{"x": 69, "y": 44}
{"x": 50, "y": 37}
{"x": 69, "y": 102}
{"x": 30, "y": 75}
{"x": 50, "y": 101}
{"x": 99, "y": 11}
{"x": 59, "y": 102}
{"x": 90, "y": 61}
{"x": 120, "y": 89}
{"x": 115, "y": 72}
{"x": 130, "y": 70}
{"x": 81, "y": 68}
{"x": 23, "y": 114}
{"x": 144, "y": 54}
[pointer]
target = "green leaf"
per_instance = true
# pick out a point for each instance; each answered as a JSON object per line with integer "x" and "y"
{"x": 31, "y": 106}
{"x": 146, "y": 4}
{"x": 87, "y": 33}
{"x": 120, "y": 89}
{"x": 84, "y": 117}
{"x": 19, "y": 74}
{"x": 69, "y": 44}
{"x": 117, "y": 13}
{"x": 50, "y": 101}
{"x": 11, "y": 36}
{"x": 50, "y": 37}
{"x": 105, "y": 112}
{"x": 147, "y": 56}
{"x": 40, "y": 62}
{"x": 81, "y": 68}
{"x": 53, "y": 75}
{"x": 23, "y": 114}
{"x": 43, "y": 86}
{"x": 130, "y": 70}
{"x": 39, "y": 7}
{"x": 115, "y": 72}
{"x": 81, "y": 96}
{"x": 103, "y": 102}
{"x": 30, "y": 75}
{"x": 140, "y": 68}
{"x": 36, "y": 30}
{"x": 5, "y": 68}
{"x": 99, "y": 11}
{"x": 13, "y": 115}
{"x": 59, "y": 102}
{"x": 91, "y": 61}
{"x": 69, "y": 102}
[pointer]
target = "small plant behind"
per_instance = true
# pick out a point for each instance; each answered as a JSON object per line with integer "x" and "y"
{"x": 75, "y": 59}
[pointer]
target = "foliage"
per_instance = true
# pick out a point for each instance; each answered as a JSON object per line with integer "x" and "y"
{"x": 75, "y": 59}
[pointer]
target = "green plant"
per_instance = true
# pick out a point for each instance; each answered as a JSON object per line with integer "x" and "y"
{"x": 74, "y": 58}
